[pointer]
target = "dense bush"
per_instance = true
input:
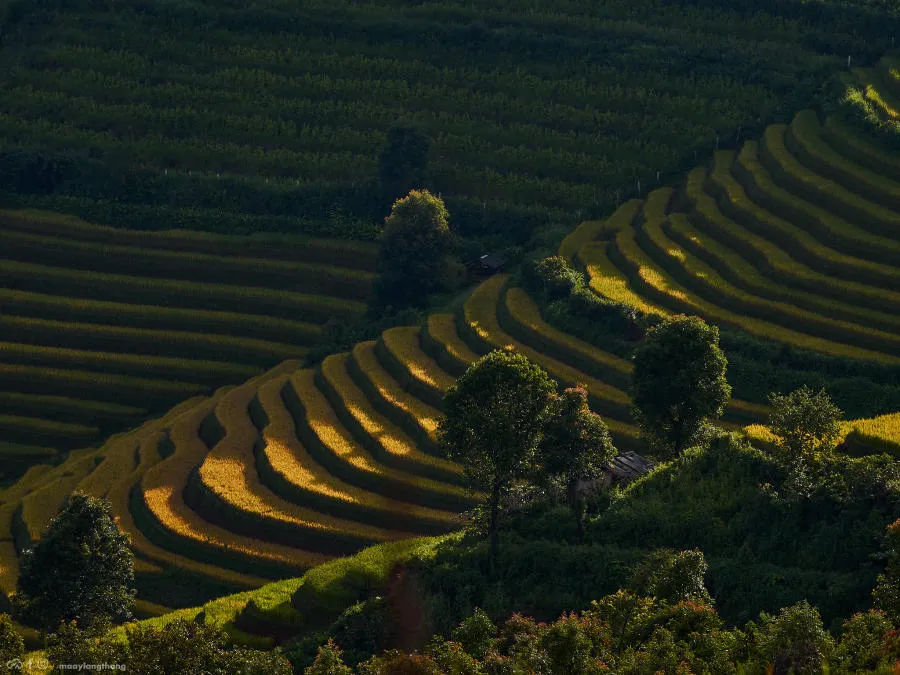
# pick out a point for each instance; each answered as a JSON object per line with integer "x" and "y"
{"x": 763, "y": 552}
{"x": 635, "y": 633}
{"x": 179, "y": 647}
{"x": 11, "y": 644}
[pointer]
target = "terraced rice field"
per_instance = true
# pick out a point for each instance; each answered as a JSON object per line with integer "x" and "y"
{"x": 794, "y": 238}
{"x": 271, "y": 115}
{"x": 296, "y": 466}
{"x": 101, "y": 328}
{"x": 858, "y": 437}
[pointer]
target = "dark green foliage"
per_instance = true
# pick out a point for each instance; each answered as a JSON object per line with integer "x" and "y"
{"x": 363, "y": 629}
{"x": 574, "y": 447}
{"x": 328, "y": 661}
{"x": 719, "y": 503}
{"x": 794, "y": 640}
{"x": 415, "y": 251}
{"x": 475, "y": 634}
{"x": 71, "y": 643}
{"x": 403, "y": 161}
{"x": 493, "y": 419}
{"x": 622, "y": 633}
{"x": 179, "y": 648}
{"x": 678, "y": 382}
{"x": 81, "y": 570}
{"x": 763, "y": 553}
{"x": 672, "y": 577}
{"x": 12, "y": 646}
{"x": 887, "y": 591}
{"x": 861, "y": 641}
{"x": 553, "y": 278}
{"x": 805, "y": 422}
{"x": 634, "y": 634}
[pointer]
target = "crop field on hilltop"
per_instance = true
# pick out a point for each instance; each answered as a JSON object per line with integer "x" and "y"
{"x": 101, "y": 328}
{"x": 792, "y": 239}
{"x": 300, "y": 465}
{"x": 236, "y": 116}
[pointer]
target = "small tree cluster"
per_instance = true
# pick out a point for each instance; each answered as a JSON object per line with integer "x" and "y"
{"x": 805, "y": 422}
{"x": 806, "y": 425}
{"x": 504, "y": 419}
{"x": 179, "y": 647}
{"x": 664, "y": 622}
{"x": 575, "y": 446}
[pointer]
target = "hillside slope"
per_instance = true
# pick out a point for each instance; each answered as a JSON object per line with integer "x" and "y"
{"x": 298, "y": 466}
{"x": 789, "y": 240}
{"x": 101, "y": 328}
{"x": 270, "y": 115}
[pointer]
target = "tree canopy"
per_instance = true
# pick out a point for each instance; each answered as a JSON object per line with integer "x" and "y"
{"x": 81, "y": 570}
{"x": 493, "y": 420}
{"x": 678, "y": 382}
{"x": 805, "y": 422}
{"x": 179, "y": 647}
{"x": 575, "y": 445}
{"x": 414, "y": 258}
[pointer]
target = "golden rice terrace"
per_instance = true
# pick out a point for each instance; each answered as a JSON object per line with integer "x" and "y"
{"x": 794, "y": 238}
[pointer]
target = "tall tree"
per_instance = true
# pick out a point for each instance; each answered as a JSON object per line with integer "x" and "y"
{"x": 403, "y": 161}
{"x": 678, "y": 382}
{"x": 494, "y": 418}
{"x": 81, "y": 570}
{"x": 574, "y": 447}
{"x": 415, "y": 248}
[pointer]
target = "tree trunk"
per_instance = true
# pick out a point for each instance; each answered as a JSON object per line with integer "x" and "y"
{"x": 677, "y": 433}
{"x": 577, "y": 506}
{"x": 495, "y": 517}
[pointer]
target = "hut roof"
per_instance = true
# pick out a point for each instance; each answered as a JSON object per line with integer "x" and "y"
{"x": 491, "y": 261}
{"x": 628, "y": 466}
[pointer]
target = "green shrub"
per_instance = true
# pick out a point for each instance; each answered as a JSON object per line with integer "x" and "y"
{"x": 12, "y": 646}
{"x": 794, "y": 640}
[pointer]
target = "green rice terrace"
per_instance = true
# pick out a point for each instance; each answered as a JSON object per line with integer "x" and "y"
{"x": 104, "y": 327}
{"x": 218, "y": 165}
{"x": 237, "y": 116}
{"x": 296, "y": 466}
